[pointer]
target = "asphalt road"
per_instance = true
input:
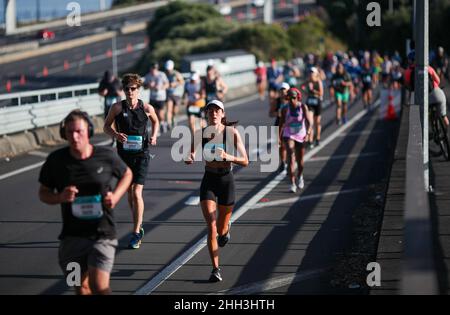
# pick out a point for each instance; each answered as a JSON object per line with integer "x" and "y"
{"x": 130, "y": 48}
{"x": 279, "y": 244}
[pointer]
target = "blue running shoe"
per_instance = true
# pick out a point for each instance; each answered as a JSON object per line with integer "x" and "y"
{"x": 135, "y": 241}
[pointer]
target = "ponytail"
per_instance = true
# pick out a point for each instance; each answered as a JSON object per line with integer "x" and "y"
{"x": 225, "y": 122}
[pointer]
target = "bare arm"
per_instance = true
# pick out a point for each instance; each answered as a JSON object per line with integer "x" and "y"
{"x": 150, "y": 111}
{"x": 49, "y": 196}
{"x": 108, "y": 127}
{"x": 112, "y": 198}
{"x": 194, "y": 145}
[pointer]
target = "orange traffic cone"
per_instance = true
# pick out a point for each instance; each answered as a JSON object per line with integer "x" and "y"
{"x": 66, "y": 65}
{"x": 8, "y": 86}
{"x": 45, "y": 72}
{"x": 109, "y": 53}
{"x": 129, "y": 48}
{"x": 390, "y": 113}
{"x": 87, "y": 60}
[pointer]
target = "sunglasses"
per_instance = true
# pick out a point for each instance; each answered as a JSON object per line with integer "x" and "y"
{"x": 132, "y": 88}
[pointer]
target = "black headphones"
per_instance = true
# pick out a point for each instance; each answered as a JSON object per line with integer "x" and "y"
{"x": 76, "y": 113}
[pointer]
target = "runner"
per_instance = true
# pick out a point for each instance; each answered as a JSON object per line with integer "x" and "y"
{"x": 158, "y": 83}
{"x": 261, "y": 80}
{"x": 275, "y": 78}
{"x": 296, "y": 126}
{"x": 436, "y": 94}
{"x": 219, "y": 142}
{"x": 194, "y": 98}
{"x": 314, "y": 103}
{"x": 275, "y": 111}
{"x": 341, "y": 83}
{"x": 174, "y": 92}
{"x": 367, "y": 85}
{"x": 213, "y": 86}
{"x": 396, "y": 75}
{"x": 111, "y": 89}
{"x": 80, "y": 177}
{"x": 127, "y": 122}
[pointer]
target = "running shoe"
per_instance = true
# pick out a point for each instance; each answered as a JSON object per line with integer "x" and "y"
{"x": 300, "y": 182}
{"x": 222, "y": 240}
{"x": 215, "y": 275}
{"x": 344, "y": 120}
{"x": 317, "y": 143}
{"x": 135, "y": 241}
{"x": 141, "y": 231}
{"x": 293, "y": 188}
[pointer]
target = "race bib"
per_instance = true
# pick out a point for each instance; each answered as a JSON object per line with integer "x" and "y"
{"x": 211, "y": 96}
{"x": 133, "y": 143}
{"x": 312, "y": 101}
{"x": 367, "y": 79}
{"x": 87, "y": 207}
{"x": 194, "y": 110}
{"x": 210, "y": 152}
{"x": 110, "y": 100}
{"x": 295, "y": 127}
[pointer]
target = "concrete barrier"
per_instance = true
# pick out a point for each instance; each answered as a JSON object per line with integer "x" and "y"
{"x": 48, "y": 135}
{"x": 16, "y": 144}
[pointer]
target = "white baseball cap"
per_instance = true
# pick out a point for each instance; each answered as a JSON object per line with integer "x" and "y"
{"x": 285, "y": 86}
{"x": 195, "y": 76}
{"x": 314, "y": 70}
{"x": 216, "y": 103}
{"x": 169, "y": 65}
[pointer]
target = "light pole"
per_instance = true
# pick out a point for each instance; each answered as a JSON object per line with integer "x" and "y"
{"x": 421, "y": 85}
{"x": 114, "y": 54}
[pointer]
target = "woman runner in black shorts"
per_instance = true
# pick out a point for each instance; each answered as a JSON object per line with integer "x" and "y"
{"x": 219, "y": 141}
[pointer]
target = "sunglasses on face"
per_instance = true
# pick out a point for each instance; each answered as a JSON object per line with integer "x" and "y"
{"x": 130, "y": 88}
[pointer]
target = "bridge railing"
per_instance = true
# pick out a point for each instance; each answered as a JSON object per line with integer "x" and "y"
{"x": 33, "y": 109}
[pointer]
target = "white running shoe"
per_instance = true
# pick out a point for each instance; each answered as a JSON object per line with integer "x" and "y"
{"x": 293, "y": 188}
{"x": 300, "y": 183}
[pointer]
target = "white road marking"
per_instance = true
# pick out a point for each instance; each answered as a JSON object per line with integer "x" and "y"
{"x": 38, "y": 153}
{"x": 169, "y": 270}
{"x": 21, "y": 170}
{"x": 303, "y": 198}
{"x": 273, "y": 283}
{"x": 340, "y": 157}
{"x": 39, "y": 164}
{"x": 193, "y": 201}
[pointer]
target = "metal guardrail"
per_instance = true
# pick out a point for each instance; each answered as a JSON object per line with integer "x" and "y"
{"x": 33, "y": 109}
{"x": 419, "y": 271}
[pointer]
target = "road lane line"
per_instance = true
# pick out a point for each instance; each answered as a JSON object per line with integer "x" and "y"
{"x": 39, "y": 164}
{"x": 169, "y": 270}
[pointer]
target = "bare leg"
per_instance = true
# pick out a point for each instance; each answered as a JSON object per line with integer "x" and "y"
{"x": 99, "y": 281}
{"x": 209, "y": 213}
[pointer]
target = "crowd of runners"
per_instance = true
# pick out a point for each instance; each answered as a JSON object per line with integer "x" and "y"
{"x": 88, "y": 181}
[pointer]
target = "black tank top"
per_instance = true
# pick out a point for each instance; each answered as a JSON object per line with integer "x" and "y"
{"x": 315, "y": 88}
{"x": 224, "y": 141}
{"x": 133, "y": 123}
{"x": 210, "y": 89}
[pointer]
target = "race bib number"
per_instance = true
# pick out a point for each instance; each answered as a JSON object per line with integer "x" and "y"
{"x": 210, "y": 151}
{"x": 312, "y": 101}
{"x": 194, "y": 110}
{"x": 295, "y": 127}
{"x": 133, "y": 143}
{"x": 87, "y": 207}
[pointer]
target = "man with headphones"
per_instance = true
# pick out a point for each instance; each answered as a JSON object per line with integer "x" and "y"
{"x": 88, "y": 182}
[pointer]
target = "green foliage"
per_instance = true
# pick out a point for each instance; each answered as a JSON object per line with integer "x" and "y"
{"x": 264, "y": 41}
{"x": 179, "y": 14}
